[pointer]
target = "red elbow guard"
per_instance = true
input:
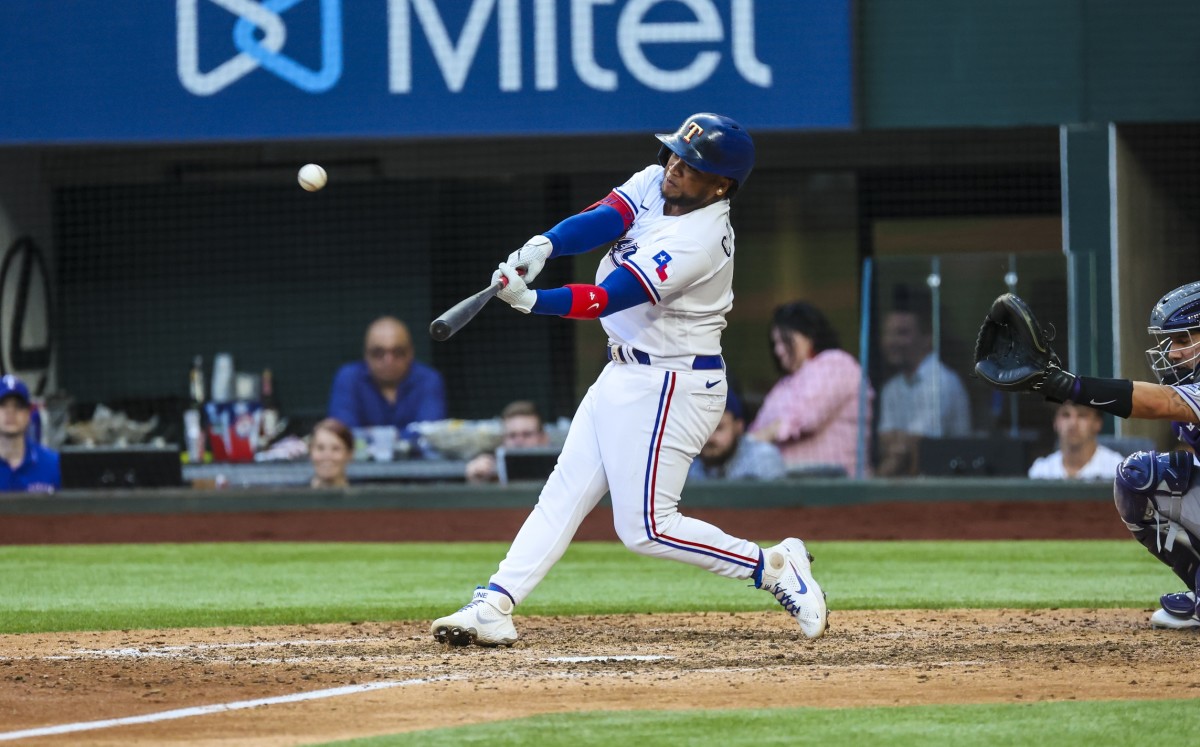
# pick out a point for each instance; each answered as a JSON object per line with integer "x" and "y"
{"x": 587, "y": 301}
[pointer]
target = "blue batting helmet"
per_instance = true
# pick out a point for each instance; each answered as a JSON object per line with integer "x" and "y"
{"x": 1176, "y": 313}
{"x": 711, "y": 143}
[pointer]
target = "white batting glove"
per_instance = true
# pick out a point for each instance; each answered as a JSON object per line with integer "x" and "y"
{"x": 516, "y": 294}
{"x": 532, "y": 257}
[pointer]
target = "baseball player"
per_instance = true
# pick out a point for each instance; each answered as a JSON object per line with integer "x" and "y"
{"x": 1157, "y": 495}
{"x": 661, "y": 293}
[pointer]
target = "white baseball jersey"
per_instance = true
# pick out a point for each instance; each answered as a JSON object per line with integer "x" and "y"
{"x": 641, "y": 424}
{"x": 668, "y": 255}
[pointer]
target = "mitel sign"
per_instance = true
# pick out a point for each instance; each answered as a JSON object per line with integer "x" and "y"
{"x": 251, "y": 69}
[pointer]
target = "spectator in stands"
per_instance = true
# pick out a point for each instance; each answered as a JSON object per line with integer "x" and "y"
{"x": 523, "y": 428}
{"x": 812, "y": 412}
{"x": 732, "y": 455}
{"x": 25, "y": 465}
{"x": 924, "y": 399}
{"x": 331, "y": 447}
{"x": 387, "y": 387}
{"x": 1080, "y": 455}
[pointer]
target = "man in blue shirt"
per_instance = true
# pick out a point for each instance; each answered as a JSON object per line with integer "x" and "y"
{"x": 729, "y": 454}
{"x": 25, "y": 466}
{"x": 387, "y": 387}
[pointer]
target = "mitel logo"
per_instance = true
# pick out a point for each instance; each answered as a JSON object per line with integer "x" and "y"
{"x": 255, "y": 53}
{"x": 633, "y": 32}
{"x": 698, "y": 34}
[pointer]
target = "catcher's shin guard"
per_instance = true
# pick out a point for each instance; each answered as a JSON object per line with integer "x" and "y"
{"x": 1149, "y": 492}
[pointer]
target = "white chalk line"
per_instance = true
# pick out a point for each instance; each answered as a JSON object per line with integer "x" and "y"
{"x": 178, "y": 713}
{"x": 580, "y": 659}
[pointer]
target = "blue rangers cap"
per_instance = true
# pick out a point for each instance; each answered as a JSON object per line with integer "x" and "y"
{"x": 11, "y": 386}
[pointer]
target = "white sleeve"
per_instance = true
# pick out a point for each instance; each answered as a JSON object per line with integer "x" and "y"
{"x": 889, "y": 414}
{"x": 1041, "y": 470}
{"x": 637, "y": 187}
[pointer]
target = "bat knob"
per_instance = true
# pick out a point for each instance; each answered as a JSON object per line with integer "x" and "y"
{"x": 440, "y": 330}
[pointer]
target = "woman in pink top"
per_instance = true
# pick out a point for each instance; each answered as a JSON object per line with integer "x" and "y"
{"x": 811, "y": 413}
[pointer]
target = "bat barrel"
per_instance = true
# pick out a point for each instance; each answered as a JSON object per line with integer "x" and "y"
{"x": 456, "y": 317}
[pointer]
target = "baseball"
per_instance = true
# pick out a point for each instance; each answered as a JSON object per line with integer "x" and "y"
{"x": 311, "y": 177}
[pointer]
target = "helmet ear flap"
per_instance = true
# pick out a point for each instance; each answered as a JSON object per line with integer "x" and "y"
{"x": 664, "y": 155}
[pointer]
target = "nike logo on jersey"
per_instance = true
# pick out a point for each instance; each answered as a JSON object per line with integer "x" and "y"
{"x": 1094, "y": 403}
{"x": 593, "y": 306}
{"x": 711, "y": 384}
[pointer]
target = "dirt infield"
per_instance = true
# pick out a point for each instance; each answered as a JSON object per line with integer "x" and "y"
{"x": 569, "y": 664}
{"x": 399, "y": 679}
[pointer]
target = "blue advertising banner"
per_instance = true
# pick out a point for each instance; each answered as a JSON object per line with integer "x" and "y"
{"x": 213, "y": 70}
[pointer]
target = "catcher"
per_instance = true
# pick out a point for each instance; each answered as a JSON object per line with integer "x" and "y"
{"x": 1157, "y": 495}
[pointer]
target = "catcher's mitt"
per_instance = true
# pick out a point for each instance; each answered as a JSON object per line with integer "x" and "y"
{"x": 1013, "y": 353}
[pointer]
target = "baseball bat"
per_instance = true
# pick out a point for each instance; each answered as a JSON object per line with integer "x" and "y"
{"x": 457, "y": 316}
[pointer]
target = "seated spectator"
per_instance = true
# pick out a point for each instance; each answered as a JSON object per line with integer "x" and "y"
{"x": 387, "y": 387}
{"x": 330, "y": 448}
{"x": 731, "y": 455}
{"x": 523, "y": 428}
{"x": 924, "y": 399}
{"x": 1080, "y": 456}
{"x": 25, "y": 465}
{"x": 812, "y": 412}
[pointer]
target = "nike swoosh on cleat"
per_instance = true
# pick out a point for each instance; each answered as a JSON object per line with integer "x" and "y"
{"x": 803, "y": 586}
{"x": 1098, "y": 404}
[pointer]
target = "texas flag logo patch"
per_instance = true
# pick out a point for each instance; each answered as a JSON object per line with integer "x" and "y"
{"x": 662, "y": 259}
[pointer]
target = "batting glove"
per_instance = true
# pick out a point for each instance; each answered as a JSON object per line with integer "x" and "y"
{"x": 516, "y": 294}
{"x": 532, "y": 257}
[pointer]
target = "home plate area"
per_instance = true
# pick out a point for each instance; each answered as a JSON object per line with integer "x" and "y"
{"x": 315, "y": 683}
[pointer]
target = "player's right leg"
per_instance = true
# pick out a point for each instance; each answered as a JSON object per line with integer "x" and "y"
{"x": 652, "y": 426}
{"x": 1155, "y": 497}
{"x": 573, "y": 489}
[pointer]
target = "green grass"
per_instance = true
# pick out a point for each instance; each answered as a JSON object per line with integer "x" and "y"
{"x": 1062, "y": 723}
{"x": 97, "y": 587}
{"x": 104, "y": 587}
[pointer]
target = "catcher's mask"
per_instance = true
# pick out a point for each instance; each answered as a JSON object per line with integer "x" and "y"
{"x": 1175, "y": 326}
{"x": 712, "y": 143}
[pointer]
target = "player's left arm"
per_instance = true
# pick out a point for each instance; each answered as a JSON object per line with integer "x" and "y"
{"x": 601, "y": 223}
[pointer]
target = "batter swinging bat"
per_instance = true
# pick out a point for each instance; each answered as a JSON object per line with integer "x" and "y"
{"x": 457, "y": 316}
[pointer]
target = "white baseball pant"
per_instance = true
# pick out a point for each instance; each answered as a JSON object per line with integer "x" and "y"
{"x": 634, "y": 436}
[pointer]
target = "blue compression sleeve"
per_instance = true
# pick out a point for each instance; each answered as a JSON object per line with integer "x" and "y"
{"x": 585, "y": 231}
{"x": 624, "y": 292}
{"x": 555, "y": 302}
